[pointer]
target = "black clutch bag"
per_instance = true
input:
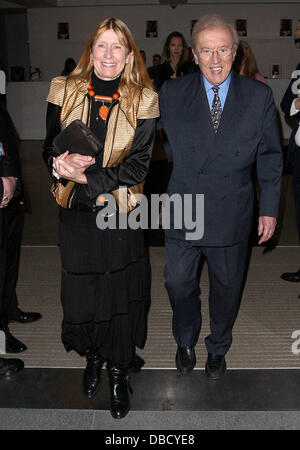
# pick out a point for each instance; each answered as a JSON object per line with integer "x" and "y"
{"x": 77, "y": 138}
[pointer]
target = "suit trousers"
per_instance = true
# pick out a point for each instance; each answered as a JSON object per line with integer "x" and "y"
{"x": 296, "y": 186}
{"x": 13, "y": 226}
{"x": 226, "y": 267}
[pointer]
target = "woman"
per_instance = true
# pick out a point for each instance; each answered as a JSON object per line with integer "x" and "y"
{"x": 104, "y": 271}
{"x": 176, "y": 59}
{"x": 245, "y": 62}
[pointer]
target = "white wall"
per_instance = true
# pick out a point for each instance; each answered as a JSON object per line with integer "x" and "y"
{"x": 48, "y": 52}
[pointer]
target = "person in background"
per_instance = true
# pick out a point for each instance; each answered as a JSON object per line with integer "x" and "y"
{"x": 290, "y": 105}
{"x": 245, "y": 62}
{"x": 143, "y": 55}
{"x": 70, "y": 65}
{"x": 156, "y": 60}
{"x": 12, "y": 225}
{"x": 9, "y": 187}
{"x": 105, "y": 273}
{"x": 175, "y": 55}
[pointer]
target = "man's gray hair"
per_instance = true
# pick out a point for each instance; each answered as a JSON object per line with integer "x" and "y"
{"x": 214, "y": 20}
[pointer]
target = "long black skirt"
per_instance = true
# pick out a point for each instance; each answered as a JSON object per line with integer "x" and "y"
{"x": 105, "y": 288}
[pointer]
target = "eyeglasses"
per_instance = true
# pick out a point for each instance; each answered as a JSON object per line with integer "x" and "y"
{"x": 207, "y": 53}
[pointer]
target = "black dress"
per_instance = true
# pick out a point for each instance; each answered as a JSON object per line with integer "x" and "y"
{"x": 105, "y": 273}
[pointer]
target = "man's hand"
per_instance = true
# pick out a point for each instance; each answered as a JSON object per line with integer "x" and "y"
{"x": 266, "y": 228}
{"x": 9, "y": 186}
{"x": 297, "y": 103}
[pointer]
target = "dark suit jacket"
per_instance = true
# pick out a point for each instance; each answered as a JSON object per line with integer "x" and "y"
{"x": 220, "y": 165}
{"x": 285, "y": 105}
{"x": 10, "y": 163}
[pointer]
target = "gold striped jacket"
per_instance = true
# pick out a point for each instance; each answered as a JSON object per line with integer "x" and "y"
{"x": 70, "y": 94}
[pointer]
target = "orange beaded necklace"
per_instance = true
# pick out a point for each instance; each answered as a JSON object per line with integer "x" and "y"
{"x": 103, "y": 110}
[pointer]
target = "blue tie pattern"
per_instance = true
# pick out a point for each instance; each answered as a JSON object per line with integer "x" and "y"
{"x": 216, "y": 109}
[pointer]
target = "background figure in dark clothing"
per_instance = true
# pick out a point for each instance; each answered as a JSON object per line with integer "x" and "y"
{"x": 290, "y": 105}
{"x": 176, "y": 59}
{"x": 8, "y": 186}
{"x": 12, "y": 222}
{"x": 70, "y": 65}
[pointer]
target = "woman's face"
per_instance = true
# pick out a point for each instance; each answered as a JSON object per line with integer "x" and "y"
{"x": 109, "y": 56}
{"x": 176, "y": 47}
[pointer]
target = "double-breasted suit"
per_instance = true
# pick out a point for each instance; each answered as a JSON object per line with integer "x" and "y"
{"x": 219, "y": 166}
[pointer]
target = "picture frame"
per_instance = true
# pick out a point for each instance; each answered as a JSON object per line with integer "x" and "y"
{"x": 241, "y": 27}
{"x": 63, "y": 30}
{"x": 286, "y": 27}
{"x": 192, "y": 23}
{"x": 151, "y": 29}
{"x": 275, "y": 71}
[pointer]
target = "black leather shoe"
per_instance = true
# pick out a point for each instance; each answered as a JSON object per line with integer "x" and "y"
{"x": 10, "y": 366}
{"x": 291, "y": 276}
{"x": 185, "y": 359}
{"x": 25, "y": 317}
{"x": 92, "y": 375}
{"x": 215, "y": 366}
{"x": 119, "y": 397}
{"x": 13, "y": 345}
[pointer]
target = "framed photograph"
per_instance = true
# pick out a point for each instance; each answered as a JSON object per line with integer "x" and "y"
{"x": 286, "y": 26}
{"x": 192, "y": 25}
{"x": 275, "y": 71}
{"x": 17, "y": 73}
{"x": 36, "y": 73}
{"x": 241, "y": 27}
{"x": 151, "y": 28}
{"x": 63, "y": 30}
{"x": 297, "y": 34}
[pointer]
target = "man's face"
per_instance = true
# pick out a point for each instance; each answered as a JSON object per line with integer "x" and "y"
{"x": 214, "y": 53}
{"x": 156, "y": 60}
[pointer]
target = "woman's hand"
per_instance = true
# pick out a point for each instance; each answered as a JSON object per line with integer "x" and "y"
{"x": 65, "y": 168}
{"x": 78, "y": 161}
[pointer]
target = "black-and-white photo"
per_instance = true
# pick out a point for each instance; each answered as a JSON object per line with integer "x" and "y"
{"x": 63, "y": 30}
{"x": 286, "y": 27}
{"x": 192, "y": 25}
{"x": 151, "y": 28}
{"x": 241, "y": 27}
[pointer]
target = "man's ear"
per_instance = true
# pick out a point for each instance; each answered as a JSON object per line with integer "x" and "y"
{"x": 195, "y": 56}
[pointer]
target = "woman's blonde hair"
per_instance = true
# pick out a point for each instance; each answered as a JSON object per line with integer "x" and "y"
{"x": 134, "y": 76}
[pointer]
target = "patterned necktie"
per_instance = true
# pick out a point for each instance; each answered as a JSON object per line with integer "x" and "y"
{"x": 216, "y": 109}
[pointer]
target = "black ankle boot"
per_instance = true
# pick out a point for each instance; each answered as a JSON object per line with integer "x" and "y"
{"x": 92, "y": 374}
{"x": 119, "y": 385}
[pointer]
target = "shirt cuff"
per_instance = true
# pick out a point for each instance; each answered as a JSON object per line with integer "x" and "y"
{"x": 293, "y": 110}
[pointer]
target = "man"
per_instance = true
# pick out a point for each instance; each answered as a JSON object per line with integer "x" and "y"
{"x": 12, "y": 222}
{"x": 7, "y": 190}
{"x": 218, "y": 124}
{"x": 290, "y": 105}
